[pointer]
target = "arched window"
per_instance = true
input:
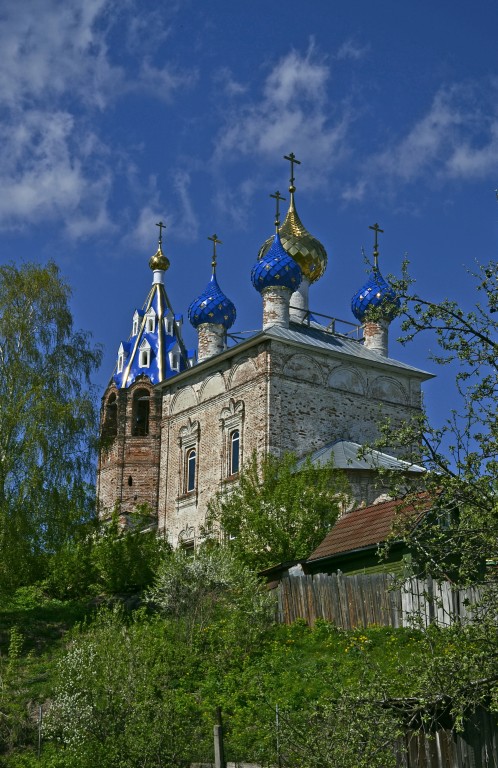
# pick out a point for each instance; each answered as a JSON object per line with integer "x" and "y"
{"x": 190, "y": 465}
{"x": 141, "y": 407}
{"x": 234, "y": 458}
{"x": 110, "y": 428}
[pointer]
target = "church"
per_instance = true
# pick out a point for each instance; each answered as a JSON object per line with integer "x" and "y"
{"x": 177, "y": 424}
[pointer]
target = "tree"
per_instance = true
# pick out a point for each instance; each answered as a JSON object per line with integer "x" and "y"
{"x": 458, "y": 541}
{"x": 47, "y": 420}
{"x": 279, "y": 511}
{"x": 462, "y": 453}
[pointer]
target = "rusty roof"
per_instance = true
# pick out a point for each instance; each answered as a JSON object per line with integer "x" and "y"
{"x": 369, "y": 526}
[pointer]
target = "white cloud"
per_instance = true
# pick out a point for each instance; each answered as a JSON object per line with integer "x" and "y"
{"x": 231, "y": 87}
{"x": 142, "y": 235}
{"x": 40, "y": 175}
{"x": 350, "y": 49}
{"x": 458, "y": 137}
{"x": 293, "y": 114}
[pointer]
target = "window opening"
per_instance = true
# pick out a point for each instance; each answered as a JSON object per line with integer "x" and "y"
{"x": 141, "y": 408}
{"x": 111, "y": 417}
{"x": 144, "y": 359}
{"x": 190, "y": 470}
{"x": 234, "y": 452}
{"x": 135, "y": 326}
{"x": 130, "y": 481}
{"x": 151, "y": 323}
{"x": 120, "y": 362}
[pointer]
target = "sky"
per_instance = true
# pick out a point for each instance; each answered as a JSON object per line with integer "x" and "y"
{"x": 116, "y": 114}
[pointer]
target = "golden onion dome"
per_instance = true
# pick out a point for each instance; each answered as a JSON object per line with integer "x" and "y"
{"x": 300, "y": 244}
{"x": 159, "y": 261}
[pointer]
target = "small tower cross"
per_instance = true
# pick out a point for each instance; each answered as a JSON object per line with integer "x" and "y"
{"x": 215, "y": 241}
{"x": 161, "y": 227}
{"x": 292, "y": 159}
{"x": 278, "y": 197}
{"x": 376, "y": 229}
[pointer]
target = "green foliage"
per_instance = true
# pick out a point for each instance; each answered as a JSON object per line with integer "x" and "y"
{"x": 119, "y": 700}
{"x": 47, "y": 420}
{"x": 107, "y": 559}
{"x": 217, "y": 602}
{"x": 125, "y": 560}
{"x": 461, "y": 454}
{"x": 279, "y": 511}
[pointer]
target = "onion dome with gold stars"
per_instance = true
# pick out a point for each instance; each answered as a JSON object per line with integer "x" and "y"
{"x": 212, "y": 306}
{"x": 305, "y": 249}
{"x": 277, "y": 268}
{"x": 376, "y": 292}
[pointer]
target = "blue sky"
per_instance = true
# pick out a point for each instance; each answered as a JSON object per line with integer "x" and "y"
{"x": 118, "y": 113}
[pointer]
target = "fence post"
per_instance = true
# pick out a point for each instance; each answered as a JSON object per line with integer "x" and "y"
{"x": 219, "y": 751}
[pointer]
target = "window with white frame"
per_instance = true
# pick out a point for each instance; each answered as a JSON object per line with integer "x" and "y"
{"x": 174, "y": 359}
{"x": 190, "y": 470}
{"x": 189, "y": 455}
{"x": 144, "y": 355}
{"x": 150, "y": 323}
{"x": 136, "y": 324}
{"x": 234, "y": 452}
{"x": 168, "y": 323}
{"x": 232, "y": 421}
{"x": 120, "y": 361}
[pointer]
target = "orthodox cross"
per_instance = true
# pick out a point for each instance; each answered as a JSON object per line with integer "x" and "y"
{"x": 376, "y": 229}
{"x": 292, "y": 159}
{"x": 161, "y": 227}
{"x": 215, "y": 241}
{"x": 278, "y": 197}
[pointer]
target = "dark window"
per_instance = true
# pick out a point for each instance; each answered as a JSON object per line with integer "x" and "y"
{"x": 141, "y": 405}
{"x": 234, "y": 451}
{"x": 111, "y": 417}
{"x": 130, "y": 481}
{"x": 190, "y": 470}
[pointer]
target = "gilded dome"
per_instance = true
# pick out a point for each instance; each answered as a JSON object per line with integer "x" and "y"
{"x": 159, "y": 260}
{"x": 305, "y": 249}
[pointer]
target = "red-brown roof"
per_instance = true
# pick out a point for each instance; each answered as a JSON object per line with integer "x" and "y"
{"x": 369, "y": 526}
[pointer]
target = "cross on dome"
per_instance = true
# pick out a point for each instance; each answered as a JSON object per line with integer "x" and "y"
{"x": 277, "y": 197}
{"x": 292, "y": 159}
{"x": 376, "y": 229}
{"x": 215, "y": 241}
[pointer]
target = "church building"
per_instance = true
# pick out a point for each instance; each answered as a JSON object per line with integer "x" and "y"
{"x": 177, "y": 424}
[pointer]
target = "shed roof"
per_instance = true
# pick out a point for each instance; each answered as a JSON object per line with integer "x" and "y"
{"x": 369, "y": 526}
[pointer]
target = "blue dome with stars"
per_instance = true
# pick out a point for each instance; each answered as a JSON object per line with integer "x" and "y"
{"x": 212, "y": 306}
{"x": 375, "y": 293}
{"x": 276, "y": 269}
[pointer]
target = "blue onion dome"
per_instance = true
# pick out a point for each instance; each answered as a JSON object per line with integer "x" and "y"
{"x": 276, "y": 269}
{"x": 212, "y": 306}
{"x": 375, "y": 293}
{"x": 300, "y": 244}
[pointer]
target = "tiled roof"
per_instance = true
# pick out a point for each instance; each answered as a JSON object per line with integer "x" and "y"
{"x": 369, "y": 526}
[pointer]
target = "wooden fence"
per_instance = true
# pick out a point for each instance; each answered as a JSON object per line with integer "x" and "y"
{"x": 366, "y": 599}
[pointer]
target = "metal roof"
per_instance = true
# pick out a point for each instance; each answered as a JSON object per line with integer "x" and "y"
{"x": 370, "y": 526}
{"x": 348, "y": 455}
{"x": 317, "y": 337}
